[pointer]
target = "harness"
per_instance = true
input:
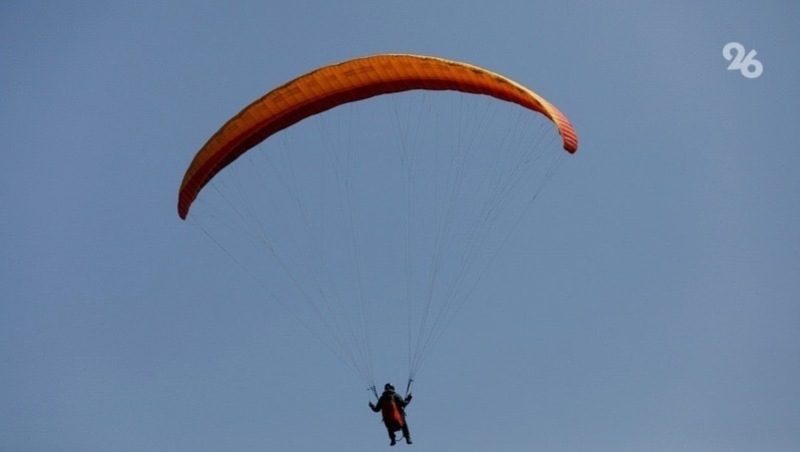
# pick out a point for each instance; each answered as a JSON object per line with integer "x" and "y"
{"x": 392, "y": 416}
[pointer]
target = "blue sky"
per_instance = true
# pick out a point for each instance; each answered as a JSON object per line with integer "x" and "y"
{"x": 649, "y": 300}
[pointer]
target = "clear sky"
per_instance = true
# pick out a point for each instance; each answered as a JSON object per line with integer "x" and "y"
{"x": 654, "y": 305}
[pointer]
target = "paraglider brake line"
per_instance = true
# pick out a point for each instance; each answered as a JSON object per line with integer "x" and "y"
{"x": 408, "y": 386}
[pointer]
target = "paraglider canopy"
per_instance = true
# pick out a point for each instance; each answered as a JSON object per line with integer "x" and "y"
{"x": 349, "y": 81}
{"x": 343, "y": 214}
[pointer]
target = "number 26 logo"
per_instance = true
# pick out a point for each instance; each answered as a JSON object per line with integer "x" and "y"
{"x": 748, "y": 65}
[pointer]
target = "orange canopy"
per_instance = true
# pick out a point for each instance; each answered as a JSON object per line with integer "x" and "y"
{"x": 349, "y": 81}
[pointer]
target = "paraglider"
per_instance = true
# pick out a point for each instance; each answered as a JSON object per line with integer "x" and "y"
{"x": 347, "y": 82}
{"x": 392, "y": 408}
